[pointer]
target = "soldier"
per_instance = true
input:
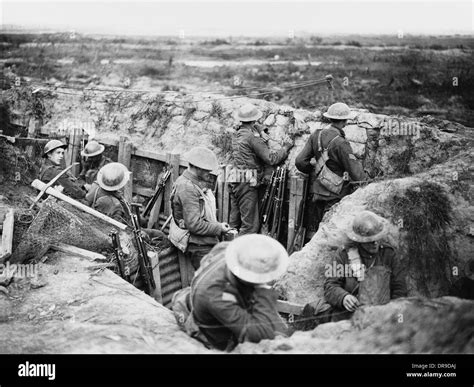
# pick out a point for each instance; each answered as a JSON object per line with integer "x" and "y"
{"x": 367, "y": 259}
{"x": 251, "y": 153}
{"x": 231, "y": 300}
{"x": 94, "y": 160}
{"x": 194, "y": 207}
{"x": 336, "y": 162}
{"x": 54, "y": 153}
{"x": 105, "y": 194}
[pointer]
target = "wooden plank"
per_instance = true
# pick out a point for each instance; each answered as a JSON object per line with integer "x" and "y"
{"x": 65, "y": 248}
{"x": 144, "y": 153}
{"x": 7, "y": 236}
{"x": 32, "y": 128}
{"x": 292, "y": 210}
{"x": 225, "y": 203}
{"x": 125, "y": 157}
{"x": 289, "y": 307}
{"x": 220, "y": 193}
{"x": 183, "y": 269}
{"x": 151, "y": 155}
{"x": 72, "y": 152}
{"x": 39, "y": 185}
{"x": 154, "y": 260}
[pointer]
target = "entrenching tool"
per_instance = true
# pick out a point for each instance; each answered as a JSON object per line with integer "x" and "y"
{"x": 54, "y": 180}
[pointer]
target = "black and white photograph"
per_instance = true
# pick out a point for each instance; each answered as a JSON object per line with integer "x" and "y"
{"x": 248, "y": 178}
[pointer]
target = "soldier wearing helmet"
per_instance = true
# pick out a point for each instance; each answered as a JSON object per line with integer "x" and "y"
{"x": 251, "y": 153}
{"x": 341, "y": 165}
{"x": 53, "y": 154}
{"x": 105, "y": 193}
{"x": 94, "y": 160}
{"x": 366, "y": 258}
{"x": 230, "y": 296}
{"x": 194, "y": 206}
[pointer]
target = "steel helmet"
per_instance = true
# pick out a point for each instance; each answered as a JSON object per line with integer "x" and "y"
{"x": 52, "y": 145}
{"x": 93, "y": 148}
{"x": 338, "y": 111}
{"x": 367, "y": 227}
{"x": 113, "y": 176}
{"x": 248, "y": 113}
{"x": 203, "y": 158}
{"x": 257, "y": 259}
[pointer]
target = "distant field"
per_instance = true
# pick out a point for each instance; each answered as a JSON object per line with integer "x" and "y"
{"x": 409, "y": 75}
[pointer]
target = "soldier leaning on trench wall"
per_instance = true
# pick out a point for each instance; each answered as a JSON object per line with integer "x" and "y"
{"x": 251, "y": 153}
{"x": 341, "y": 165}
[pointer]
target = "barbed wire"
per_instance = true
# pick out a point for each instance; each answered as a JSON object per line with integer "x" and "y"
{"x": 118, "y": 92}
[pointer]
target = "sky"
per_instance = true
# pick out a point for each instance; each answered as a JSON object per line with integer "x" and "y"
{"x": 242, "y": 18}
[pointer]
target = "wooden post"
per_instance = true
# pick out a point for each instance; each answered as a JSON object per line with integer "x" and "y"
{"x": 125, "y": 158}
{"x": 173, "y": 165}
{"x": 7, "y": 236}
{"x": 184, "y": 269}
{"x": 292, "y": 210}
{"x": 297, "y": 190}
{"x": 154, "y": 261}
{"x": 73, "y": 150}
{"x": 32, "y": 128}
{"x": 155, "y": 211}
{"x": 225, "y": 203}
{"x": 220, "y": 193}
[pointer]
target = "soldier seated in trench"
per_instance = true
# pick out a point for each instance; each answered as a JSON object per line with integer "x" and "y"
{"x": 94, "y": 160}
{"x": 105, "y": 195}
{"x": 53, "y": 154}
{"x": 365, "y": 271}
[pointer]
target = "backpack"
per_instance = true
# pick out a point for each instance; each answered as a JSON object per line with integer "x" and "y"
{"x": 327, "y": 178}
{"x": 182, "y": 305}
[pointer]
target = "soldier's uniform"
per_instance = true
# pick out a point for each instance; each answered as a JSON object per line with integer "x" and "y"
{"x": 229, "y": 311}
{"x": 336, "y": 288}
{"x": 250, "y": 152}
{"x": 89, "y": 172}
{"x": 72, "y": 188}
{"x": 188, "y": 207}
{"x": 341, "y": 159}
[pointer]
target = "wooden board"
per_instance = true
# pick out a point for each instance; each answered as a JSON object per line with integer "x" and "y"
{"x": 7, "y": 236}
{"x": 125, "y": 157}
{"x": 154, "y": 260}
{"x": 292, "y": 210}
{"x": 65, "y": 248}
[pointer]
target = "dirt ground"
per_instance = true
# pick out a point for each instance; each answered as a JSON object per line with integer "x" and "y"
{"x": 70, "y": 306}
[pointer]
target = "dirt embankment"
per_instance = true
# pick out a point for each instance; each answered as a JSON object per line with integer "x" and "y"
{"x": 70, "y": 305}
{"x": 435, "y": 173}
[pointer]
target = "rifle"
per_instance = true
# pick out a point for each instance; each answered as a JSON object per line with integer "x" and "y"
{"x": 300, "y": 231}
{"x": 278, "y": 204}
{"x": 118, "y": 252}
{"x": 266, "y": 198}
{"x": 268, "y": 209}
{"x": 157, "y": 193}
{"x": 144, "y": 264}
